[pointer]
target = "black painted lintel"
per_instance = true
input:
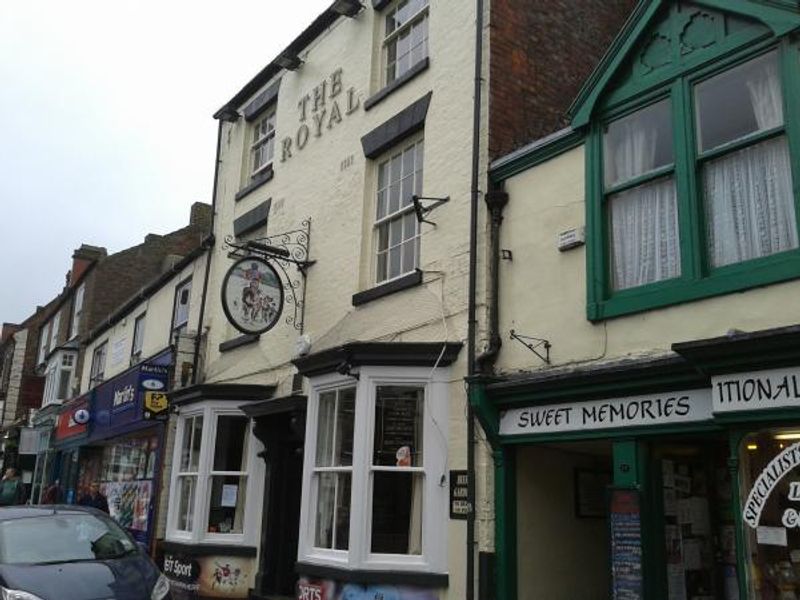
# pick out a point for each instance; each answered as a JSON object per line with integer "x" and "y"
{"x": 238, "y": 342}
{"x": 397, "y": 83}
{"x": 368, "y": 576}
{"x": 396, "y": 285}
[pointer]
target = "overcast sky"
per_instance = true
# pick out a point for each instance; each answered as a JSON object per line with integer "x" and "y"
{"x": 106, "y": 131}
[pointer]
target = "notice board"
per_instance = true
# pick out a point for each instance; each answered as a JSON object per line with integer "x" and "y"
{"x": 625, "y": 522}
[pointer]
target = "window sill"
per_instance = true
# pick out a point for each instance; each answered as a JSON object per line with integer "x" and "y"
{"x": 205, "y": 549}
{"x": 725, "y": 280}
{"x": 385, "y": 289}
{"x": 238, "y": 342}
{"x": 369, "y": 576}
{"x": 397, "y": 83}
{"x": 260, "y": 180}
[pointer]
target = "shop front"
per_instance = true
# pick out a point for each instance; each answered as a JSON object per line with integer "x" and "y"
{"x": 123, "y": 449}
{"x": 62, "y": 481}
{"x": 672, "y": 478}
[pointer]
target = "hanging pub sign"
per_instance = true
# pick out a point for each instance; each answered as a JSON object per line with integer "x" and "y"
{"x": 252, "y": 295}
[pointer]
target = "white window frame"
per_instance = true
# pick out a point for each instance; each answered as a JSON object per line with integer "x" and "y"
{"x": 55, "y": 326}
{"x": 52, "y": 383}
{"x": 138, "y": 342}
{"x": 435, "y": 496}
{"x": 254, "y": 491}
{"x": 96, "y": 367}
{"x": 418, "y": 143}
{"x": 389, "y": 38}
{"x": 77, "y": 311}
{"x": 260, "y": 140}
{"x": 179, "y": 325}
{"x": 43, "y": 342}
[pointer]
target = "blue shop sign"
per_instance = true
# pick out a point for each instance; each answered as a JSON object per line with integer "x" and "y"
{"x": 133, "y": 399}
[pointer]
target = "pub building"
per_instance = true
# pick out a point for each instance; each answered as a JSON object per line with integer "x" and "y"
{"x": 316, "y": 455}
{"x": 644, "y": 410}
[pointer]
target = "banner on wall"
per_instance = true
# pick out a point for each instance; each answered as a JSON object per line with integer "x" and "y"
{"x": 308, "y": 589}
{"x": 193, "y": 577}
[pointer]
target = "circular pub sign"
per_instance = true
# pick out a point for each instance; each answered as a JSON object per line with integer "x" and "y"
{"x": 252, "y": 295}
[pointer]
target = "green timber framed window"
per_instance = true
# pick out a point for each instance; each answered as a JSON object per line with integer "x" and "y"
{"x": 693, "y": 184}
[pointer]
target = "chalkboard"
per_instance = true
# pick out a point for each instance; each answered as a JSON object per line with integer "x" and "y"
{"x": 397, "y": 422}
{"x": 625, "y": 521}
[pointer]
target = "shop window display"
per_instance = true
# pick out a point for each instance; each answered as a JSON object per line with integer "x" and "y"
{"x": 126, "y": 473}
{"x": 770, "y": 472}
{"x": 228, "y": 476}
{"x": 699, "y": 523}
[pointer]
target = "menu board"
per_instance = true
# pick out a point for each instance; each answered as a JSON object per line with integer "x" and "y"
{"x": 397, "y": 423}
{"x": 625, "y": 521}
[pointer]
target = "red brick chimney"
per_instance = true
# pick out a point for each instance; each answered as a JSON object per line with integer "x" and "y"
{"x": 8, "y": 330}
{"x": 83, "y": 258}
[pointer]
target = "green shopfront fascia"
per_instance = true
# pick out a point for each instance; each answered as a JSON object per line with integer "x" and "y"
{"x": 665, "y": 479}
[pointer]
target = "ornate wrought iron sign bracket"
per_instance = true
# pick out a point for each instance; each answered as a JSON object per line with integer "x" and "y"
{"x": 288, "y": 252}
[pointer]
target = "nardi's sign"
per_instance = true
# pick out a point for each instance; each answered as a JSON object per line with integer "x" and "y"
{"x": 761, "y": 390}
{"x": 633, "y": 411}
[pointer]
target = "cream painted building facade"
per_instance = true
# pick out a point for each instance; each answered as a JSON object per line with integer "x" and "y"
{"x": 118, "y": 431}
{"x": 643, "y": 407}
{"x": 376, "y": 321}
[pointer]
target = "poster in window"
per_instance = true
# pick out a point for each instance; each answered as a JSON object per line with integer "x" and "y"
{"x": 252, "y": 295}
{"x": 626, "y": 545}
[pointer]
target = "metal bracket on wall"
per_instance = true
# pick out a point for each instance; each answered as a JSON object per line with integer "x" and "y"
{"x": 284, "y": 250}
{"x": 421, "y": 210}
{"x": 533, "y": 344}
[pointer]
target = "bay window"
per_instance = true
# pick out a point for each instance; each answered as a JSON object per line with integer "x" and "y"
{"x": 216, "y": 470}
{"x": 390, "y": 476}
{"x": 695, "y": 192}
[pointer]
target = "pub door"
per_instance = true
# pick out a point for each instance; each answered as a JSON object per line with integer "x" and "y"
{"x": 282, "y": 435}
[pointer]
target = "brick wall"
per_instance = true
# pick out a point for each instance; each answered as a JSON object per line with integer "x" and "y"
{"x": 541, "y": 52}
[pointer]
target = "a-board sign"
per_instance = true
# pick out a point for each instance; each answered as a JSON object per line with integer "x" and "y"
{"x": 625, "y": 521}
{"x": 459, "y": 494}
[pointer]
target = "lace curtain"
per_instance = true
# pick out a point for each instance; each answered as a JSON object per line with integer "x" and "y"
{"x": 748, "y": 194}
{"x": 644, "y": 235}
{"x": 643, "y": 220}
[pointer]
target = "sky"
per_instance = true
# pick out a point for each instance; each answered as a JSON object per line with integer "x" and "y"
{"x": 106, "y": 128}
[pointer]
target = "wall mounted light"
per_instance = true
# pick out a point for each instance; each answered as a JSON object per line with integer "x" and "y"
{"x": 347, "y": 8}
{"x": 289, "y": 60}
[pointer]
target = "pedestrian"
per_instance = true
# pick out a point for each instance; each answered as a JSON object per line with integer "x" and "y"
{"x": 94, "y": 498}
{"x": 11, "y": 488}
{"x": 52, "y": 495}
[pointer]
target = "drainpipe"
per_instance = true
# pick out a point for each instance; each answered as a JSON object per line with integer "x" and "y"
{"x": 495, "y": 201}
{"x": 209, "y": 243}
{"x": 471, "y": 308}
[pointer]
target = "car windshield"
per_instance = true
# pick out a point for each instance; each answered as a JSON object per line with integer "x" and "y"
{"x": 60, "y": 538}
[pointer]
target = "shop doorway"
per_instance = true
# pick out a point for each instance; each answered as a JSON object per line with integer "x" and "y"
{"x": 689, "y": 534}
{"x": 562, "y": 523}
{"x": 282, "y": 434}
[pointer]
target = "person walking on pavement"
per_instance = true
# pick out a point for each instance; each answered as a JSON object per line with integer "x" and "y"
{"x": 11, "y": 488}
{"x": 94, "y": 498}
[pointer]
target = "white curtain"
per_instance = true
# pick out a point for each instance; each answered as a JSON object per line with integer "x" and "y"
{"x": 764, "y": 86}
{"x": 749, "y": 202}
{"x": 415, "y": 518}
{"x": 630, "y": 149}
{"x": 645, "y": 245}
